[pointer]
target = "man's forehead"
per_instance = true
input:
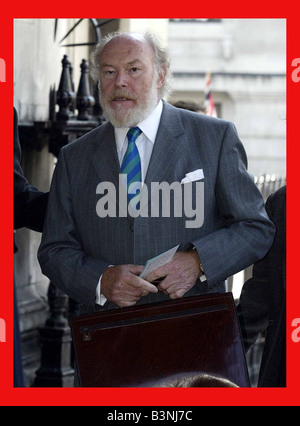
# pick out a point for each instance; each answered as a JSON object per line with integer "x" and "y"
{"x": 125, "y": 44}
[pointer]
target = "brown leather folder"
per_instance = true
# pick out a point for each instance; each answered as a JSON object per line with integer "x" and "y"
{"x": 189, "y": 342}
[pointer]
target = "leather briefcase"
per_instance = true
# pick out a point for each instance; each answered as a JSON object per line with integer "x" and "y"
{"x": 188, "y": 342}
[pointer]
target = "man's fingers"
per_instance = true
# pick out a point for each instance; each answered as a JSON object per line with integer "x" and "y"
{"x": 123, "y": 286}
{"x": 173, "y": 290}
{"x": 157, "y": 274}
{"x": 136, "y": 289}
{"x": 135, "y": 269}
{"x": 144, "y": 285}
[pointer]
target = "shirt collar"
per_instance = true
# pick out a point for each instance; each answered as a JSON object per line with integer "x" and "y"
{"x": 149, "y": 127}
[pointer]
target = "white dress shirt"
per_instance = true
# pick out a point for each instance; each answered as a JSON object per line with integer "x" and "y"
{"x": 144, "y": 143}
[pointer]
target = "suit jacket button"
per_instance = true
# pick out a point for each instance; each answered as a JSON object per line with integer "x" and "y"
{"x": 131, "y": 227}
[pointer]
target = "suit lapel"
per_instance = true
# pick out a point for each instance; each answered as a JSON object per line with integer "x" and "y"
{"x": 167, "y": 148}
{"x": 105, "y": 160}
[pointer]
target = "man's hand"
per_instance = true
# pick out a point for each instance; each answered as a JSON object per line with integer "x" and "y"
{"x": 181, "y": 274}
{"x": 122, "y": 285}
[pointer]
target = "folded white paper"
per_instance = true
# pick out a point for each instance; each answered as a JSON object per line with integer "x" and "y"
{"x": 192, "y": 176}
{"x": 158, "y": 261}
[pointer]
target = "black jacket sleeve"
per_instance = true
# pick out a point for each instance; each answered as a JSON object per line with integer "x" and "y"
{"x": 30, "y": 204}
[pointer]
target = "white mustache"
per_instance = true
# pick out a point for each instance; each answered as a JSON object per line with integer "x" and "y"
{"x": 122, "y": 95}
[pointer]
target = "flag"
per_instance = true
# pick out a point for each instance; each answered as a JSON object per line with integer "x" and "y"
{"x": 209, "y": 100}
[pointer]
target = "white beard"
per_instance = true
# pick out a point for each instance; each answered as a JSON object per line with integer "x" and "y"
{"x": 123, "y": 117}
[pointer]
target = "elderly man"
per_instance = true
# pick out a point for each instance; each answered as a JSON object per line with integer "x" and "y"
{"x": 93, "y": 248}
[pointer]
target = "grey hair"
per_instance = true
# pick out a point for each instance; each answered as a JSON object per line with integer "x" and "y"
{"x": 161, "y": 57}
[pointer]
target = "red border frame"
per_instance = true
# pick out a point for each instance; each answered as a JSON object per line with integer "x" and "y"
{"x": 10, "y": 396}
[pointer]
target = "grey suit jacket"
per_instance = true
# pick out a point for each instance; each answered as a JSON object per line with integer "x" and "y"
{"x": 77, "y": 244}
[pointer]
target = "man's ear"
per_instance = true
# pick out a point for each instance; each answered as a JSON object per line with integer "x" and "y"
{"x": 161, "y": 77}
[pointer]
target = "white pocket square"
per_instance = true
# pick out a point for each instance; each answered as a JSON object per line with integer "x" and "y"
{"x": 195, "y": 175}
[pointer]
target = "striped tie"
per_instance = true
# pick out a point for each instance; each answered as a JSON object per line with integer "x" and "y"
{"x": 131, "y": 166}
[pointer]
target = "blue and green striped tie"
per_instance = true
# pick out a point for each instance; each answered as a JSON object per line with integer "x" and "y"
{"x": 131, "y": 164}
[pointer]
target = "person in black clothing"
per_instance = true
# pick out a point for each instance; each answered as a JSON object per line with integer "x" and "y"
{"x": 29, "y": 202}
{"x": 262, "y": 306}
{"x": 30, "y": 206}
